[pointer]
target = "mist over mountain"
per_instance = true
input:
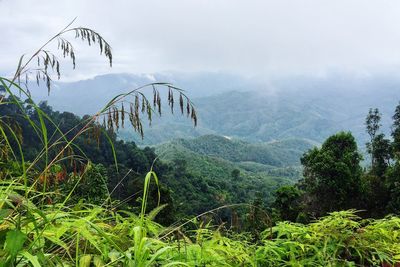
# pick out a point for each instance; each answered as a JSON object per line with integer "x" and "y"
{"x": 90, "y": 95}
{"x": 256, "y": 110}
{"x": 304, "y": 108}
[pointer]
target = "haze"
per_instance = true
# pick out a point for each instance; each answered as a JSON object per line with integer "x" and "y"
{"x": 250, "y": 38}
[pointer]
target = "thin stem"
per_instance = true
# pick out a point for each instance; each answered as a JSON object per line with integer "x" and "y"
{"x": 22, "y": 68}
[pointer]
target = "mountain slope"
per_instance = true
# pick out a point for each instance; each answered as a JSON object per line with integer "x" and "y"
{"x": 279, "y": 154}
{"x": 202, "y": 180}
{"x": 264, "y": 117}
{"x": 257, "y": 111}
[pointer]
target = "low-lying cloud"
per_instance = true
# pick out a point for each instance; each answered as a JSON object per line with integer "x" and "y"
{"x": 246, "y": 37}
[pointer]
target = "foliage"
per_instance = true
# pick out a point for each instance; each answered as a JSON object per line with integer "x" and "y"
{"x": 200, "y": 182}
{"x": 48, "y": 63}
{"x": 92, "y": 187}
{"x": 333, "y": 179}
{"x": 372, "y": 122}
{"x": 278, "y": 154}
{"x": 288, "y": 203}
{"x": 339, "y": 239}
{"x": 90, "y": 235}
{"x": 332, "y": 174}
{"x": 381, "y": 180}
{"x": 393, "y": 189}
{"x": 396, "y": 132}
{"x": 378, "y": 146}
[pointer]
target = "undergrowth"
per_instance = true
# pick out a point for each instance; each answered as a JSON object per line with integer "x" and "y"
{"x": 92, "y": 235}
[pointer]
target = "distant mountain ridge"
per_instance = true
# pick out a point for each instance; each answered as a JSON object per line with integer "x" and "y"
{"x": 90, "y": 95}
{"x": 253, "y": 110}
{"x": 262, "y": 117}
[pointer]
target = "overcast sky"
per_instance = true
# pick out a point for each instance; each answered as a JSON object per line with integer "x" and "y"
{"x": 248, "y": 37}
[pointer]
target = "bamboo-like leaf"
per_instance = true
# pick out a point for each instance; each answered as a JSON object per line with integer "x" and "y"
{"x": 14, "y": 242}
{"x": 31, "y": 259}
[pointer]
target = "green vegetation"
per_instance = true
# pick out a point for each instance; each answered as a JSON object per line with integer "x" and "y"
{"x": 204, "y": 182}
{"x": 332, "y": 173}
{"x": 207, "y": 172}
{"x": 278, "y": 154}
{"x": 334, "y": 179}
{"x": 90, "y": 235}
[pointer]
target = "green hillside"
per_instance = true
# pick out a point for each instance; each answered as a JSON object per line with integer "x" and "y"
{"x": 310, "y": 111}
{"x": 278, "y": 153}
{"x": 211, "y": 171}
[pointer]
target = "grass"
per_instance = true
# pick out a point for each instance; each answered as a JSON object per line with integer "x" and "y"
{"x": 90, "y": 235}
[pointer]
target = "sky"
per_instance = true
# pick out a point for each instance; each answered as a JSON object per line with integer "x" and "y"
{"x": 248, "y": 37}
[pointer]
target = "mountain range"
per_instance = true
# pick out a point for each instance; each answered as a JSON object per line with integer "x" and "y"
{"x": 254, "y": 110}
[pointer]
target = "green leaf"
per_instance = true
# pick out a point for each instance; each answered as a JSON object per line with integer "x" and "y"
{"x": 15, "y": 240}
{"x": 114, "y": 255}
{"x": 85, "y": 260}
{"x": 4, "y": 213}
{"x": 98, "y": 261}
{"x": 32, "y": 259}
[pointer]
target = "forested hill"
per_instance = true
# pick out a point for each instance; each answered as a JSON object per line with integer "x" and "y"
{"x": 190, "y": 182}
{"x": 212, "y": 170}
{"x": 277, "y": 154}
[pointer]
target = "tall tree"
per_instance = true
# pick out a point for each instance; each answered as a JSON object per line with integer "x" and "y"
{"x": 393, "y": 175}
{"x": 332, "y": 174}
{"x": 376, "y": 194}
{"x": 396, "y": 132}
{"x": 381, "y": 155}
{"x": 372, "y": 123}
{"x": 378, "y": 147}
{"x": 288, "y": 202}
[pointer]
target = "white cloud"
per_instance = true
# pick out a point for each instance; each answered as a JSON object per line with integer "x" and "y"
{"x": 247, "y": 37}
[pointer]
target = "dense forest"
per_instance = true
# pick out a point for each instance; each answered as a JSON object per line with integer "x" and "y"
{"x": 215, "y": 177}
{"x": 73, "y": 193}
{"x": 213, "y": 171}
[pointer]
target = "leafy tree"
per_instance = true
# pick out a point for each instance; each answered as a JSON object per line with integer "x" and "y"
{"x": 90, "y": 188}
{"x": 396, "y": 132}
{"x": 375, "y": 188}
{"x": 257, "y": 219}
{"x": 393, "y": 175}
{"x": 393, "y": 189}
{"x": 373, "y": 122}
{"x": 381, "y": 154}
{"x": 332, "y": 174}
{"x": 288, "y": 202}
{"x": 375, "y": 195}
{"x": 378, "y": 147}
{"x": 235, "y": 174}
